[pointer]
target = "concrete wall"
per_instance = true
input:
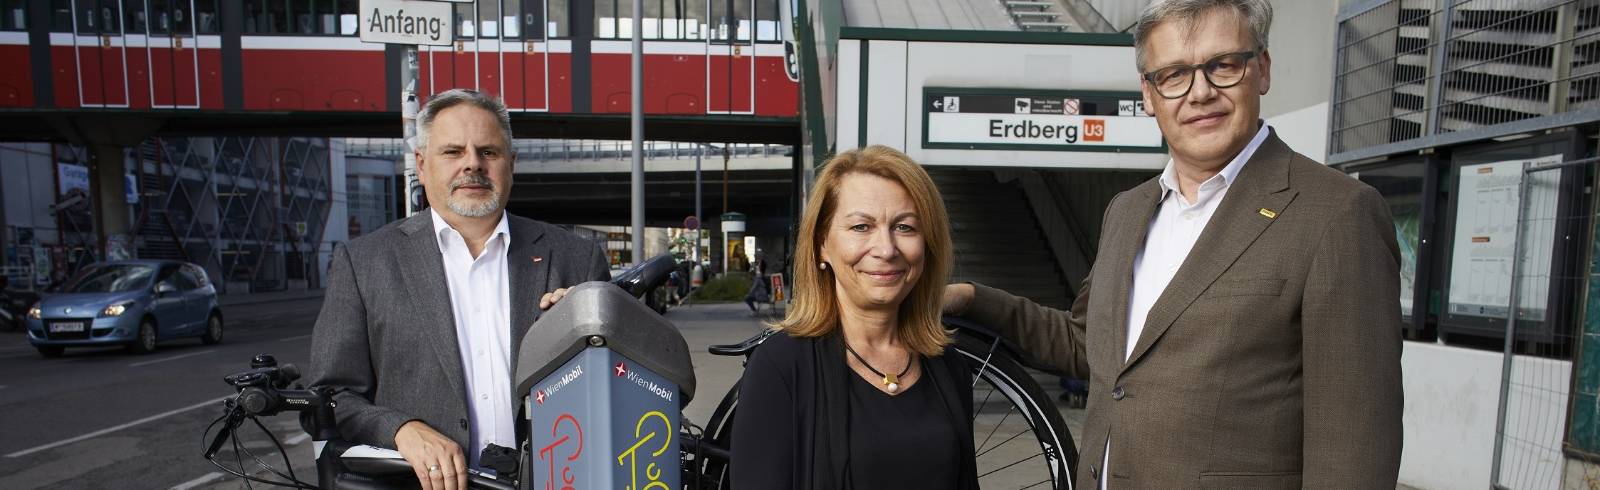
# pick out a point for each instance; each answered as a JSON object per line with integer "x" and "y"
{"x": 1301, "y": 45}
{"x": 1452, "y": 403}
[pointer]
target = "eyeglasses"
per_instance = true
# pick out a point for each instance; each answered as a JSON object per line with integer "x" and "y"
{"x": 1222, "y": 71}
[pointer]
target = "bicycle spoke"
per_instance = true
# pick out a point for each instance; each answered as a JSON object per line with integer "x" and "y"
{"x": 1013, "y": 463}
{"x": 1008, "y": 439}
{"x": 985, "y": 403}
{"x": 996, "y": 428}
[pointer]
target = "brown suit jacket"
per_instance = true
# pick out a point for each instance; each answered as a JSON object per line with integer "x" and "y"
{"x": 1272, "y": 360}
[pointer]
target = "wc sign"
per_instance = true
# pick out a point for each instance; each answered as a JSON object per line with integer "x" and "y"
{"x": 1036, "y": 120}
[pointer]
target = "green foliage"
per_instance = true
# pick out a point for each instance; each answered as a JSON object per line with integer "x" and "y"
{"x": 727, "y": 287}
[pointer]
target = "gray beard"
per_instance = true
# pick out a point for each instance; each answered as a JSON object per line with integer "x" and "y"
{"x": 477, "y": 210}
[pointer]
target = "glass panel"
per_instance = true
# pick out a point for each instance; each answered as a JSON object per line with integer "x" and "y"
{"x": 511, "y": 19}
{"x": 205, "y": 19}
{"x": 61, "y": 16}
{"x": 605, "y": 19}
{"x": 159, "y": 19}
{"x": 14, "y": 15}
{"x": 1401, "y": 187}
{"x": 489, "y": 19}
{"x": 134, "y": 12}
{"x": 532, "y": 18}
{"x": 348, "y": 20}
{"x": 767, "y": 20}
{"x": 466, "y": 28}
{"x": 557, "y": 17}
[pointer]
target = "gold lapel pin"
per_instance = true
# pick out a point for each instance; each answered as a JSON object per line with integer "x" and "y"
{"x": 1270, "y": 214}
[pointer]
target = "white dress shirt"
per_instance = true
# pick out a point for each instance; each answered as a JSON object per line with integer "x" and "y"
{"x": 480, "y": 297}
{"x": 1173, "y": 231}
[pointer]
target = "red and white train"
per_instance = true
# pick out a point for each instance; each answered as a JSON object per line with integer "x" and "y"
{"x": 304, "y": 55}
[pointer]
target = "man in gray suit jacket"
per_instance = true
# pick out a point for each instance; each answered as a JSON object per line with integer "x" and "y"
{"x": 420, "y": 323}
{"x": 1240, "y": 327}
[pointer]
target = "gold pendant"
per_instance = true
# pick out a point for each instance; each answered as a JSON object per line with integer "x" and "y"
{"x": 891, "y": 382}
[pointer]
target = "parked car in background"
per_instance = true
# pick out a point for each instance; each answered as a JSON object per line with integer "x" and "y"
{"x": 135, "y": 303}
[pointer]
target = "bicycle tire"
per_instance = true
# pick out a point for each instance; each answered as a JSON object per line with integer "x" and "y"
{"x": 992, "y": 365}
{"x": 1002, "y": 371}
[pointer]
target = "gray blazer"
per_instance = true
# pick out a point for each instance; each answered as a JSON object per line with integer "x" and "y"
{"x": 1272, "y": 360}
{"x": 386, "y": 337}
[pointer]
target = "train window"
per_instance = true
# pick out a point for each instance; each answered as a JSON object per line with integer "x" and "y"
{"x": 465, "y": 27}
{"x": 135, "y": 18}
{"x": 61, "y": 16}
{"x": 489, "y": 19}
{"x": 14, "y": 15}
{"x": 532, "y": 23}
{"x": 724, "y": 25}
{"x": 510, "y": 19}
{"x": 99, "y": 16}
{"x": 205, "y": 16}
{"x": 682, "y": 19}
{"x": 605, "y": 19}
{"x": 767, "y": 20}
{"x": 349, "y": 22}
{"x": 557, "y": 16}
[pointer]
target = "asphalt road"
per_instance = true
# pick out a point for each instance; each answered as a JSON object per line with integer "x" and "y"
{"x": 104, "y": 418}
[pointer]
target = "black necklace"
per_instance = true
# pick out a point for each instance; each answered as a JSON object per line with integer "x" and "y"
{"x": 891, "y": 382}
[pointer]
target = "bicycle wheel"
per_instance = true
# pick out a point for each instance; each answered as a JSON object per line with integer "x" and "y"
{"x": 1019, "y": 438}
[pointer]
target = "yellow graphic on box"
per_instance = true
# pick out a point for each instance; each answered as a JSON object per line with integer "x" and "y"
{"x": 630, "y": 457}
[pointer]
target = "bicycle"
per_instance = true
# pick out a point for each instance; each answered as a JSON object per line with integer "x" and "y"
{"x": 1003, "y": 455}
{"x": 1004, "y": 425}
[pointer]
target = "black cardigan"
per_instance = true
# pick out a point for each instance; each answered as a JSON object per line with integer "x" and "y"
{"x": 791, "y": 429}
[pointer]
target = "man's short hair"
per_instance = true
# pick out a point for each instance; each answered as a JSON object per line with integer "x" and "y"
{"x": 1257, "y": 13}
{"x": 457, "y": 96}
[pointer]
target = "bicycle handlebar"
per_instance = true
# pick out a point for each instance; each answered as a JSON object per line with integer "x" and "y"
{"x": 643, "y": 278}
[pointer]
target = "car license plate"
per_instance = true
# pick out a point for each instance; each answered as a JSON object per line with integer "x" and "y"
{"x": 61, "y": 327}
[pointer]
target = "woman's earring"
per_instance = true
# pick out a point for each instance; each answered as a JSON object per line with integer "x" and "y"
{"x": 823, "y": 266}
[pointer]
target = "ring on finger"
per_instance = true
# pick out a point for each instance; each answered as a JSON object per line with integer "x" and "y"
{"x": 433, "y": 468}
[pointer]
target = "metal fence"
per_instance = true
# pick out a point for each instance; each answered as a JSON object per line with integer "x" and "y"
{"x": 1548, "y": 411}
{"x": 1414, "y": 74}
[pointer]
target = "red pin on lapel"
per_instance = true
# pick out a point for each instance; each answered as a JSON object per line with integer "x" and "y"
{"x": 538, "y": 259}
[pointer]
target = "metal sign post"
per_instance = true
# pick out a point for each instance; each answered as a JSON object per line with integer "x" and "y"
{"x": 408, "y": 22}
{"x": 637, "y": 120}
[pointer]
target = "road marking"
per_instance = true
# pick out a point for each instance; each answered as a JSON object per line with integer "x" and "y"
{"x": 173, "y": 358}
{"x": 292, "y": 440}
{"x": 108, "y": 430}
{"x": 294, "y": 338}
{"x": 208, "y": 478}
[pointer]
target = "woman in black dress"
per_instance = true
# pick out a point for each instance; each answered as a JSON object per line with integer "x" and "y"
{"x": 858, "y": 393}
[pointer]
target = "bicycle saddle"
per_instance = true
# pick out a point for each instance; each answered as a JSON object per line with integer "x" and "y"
{"x": 742, "y": 348}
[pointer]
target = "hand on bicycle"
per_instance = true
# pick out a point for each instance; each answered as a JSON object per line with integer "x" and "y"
{"x": 438, "y": 462}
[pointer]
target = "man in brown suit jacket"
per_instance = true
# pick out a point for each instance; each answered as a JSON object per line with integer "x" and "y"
{"x": 1240, "y": 327}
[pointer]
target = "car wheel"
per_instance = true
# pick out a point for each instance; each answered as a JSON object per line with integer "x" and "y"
{"x": 50, "y": 351}
{"x": 213, "y": 334}
{"x": 145, "y": 343}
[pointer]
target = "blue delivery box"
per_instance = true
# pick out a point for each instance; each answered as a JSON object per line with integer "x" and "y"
{"x": 603, "y": 379}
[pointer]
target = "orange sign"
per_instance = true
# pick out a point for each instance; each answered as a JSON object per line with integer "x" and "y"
{"x": 777, "y": 288}
{"x": 1094, "y": 129}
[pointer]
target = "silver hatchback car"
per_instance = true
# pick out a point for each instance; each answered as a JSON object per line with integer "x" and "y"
{"x": 135, "y": 303}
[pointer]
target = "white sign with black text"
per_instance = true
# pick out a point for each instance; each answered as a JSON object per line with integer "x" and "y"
{"x": 406, "y": 22}
{"x": 1043, "y": 130}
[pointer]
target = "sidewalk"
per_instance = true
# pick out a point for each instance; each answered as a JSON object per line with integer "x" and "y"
{"x": 267, "y": 297}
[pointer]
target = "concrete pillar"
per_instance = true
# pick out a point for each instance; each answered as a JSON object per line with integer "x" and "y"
{"x": 109, "y": 163}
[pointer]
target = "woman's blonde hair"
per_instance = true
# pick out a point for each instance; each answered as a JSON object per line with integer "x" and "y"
{"x": 815, "y": 311}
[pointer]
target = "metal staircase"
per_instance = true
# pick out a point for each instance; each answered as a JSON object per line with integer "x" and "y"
{"x": 1039, "y": 16}
{"x": 997, "y": 239}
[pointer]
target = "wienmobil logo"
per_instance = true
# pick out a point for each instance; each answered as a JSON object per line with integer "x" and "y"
{"x": 649, "y": 386}
{"x": 660, "y": 427}
{"x": 566, "y": 379}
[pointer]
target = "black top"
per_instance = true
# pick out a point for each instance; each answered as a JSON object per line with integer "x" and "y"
{"x": 911, "y": 443}
{"x": 793, "y": 427}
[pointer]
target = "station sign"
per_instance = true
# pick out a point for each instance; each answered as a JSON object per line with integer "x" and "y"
{"x": 1003, "y": 119}
{"x": 423, "y": 22}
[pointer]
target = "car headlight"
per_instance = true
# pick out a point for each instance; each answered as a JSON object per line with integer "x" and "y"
{"x": 116, "y": 309}
{"x": 34, "y": 312}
